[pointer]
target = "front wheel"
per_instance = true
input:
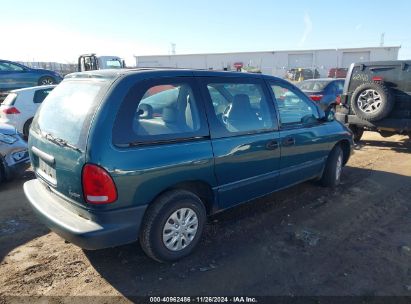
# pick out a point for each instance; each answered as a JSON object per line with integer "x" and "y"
{"x": 332, "y": 172}
{"x": 47, "y": 80}
{"x": 172, "y": 226}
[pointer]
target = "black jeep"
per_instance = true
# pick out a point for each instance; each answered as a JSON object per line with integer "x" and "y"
{"x": 377, "y": 97}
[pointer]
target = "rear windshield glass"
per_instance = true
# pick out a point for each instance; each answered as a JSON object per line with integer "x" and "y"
{"x": 312, "y": 85}
{"x": 67, "y": 111}
{"x": 10, "y": 99}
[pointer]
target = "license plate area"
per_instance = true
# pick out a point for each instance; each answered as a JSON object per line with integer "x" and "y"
{"x": 47, "y": 172}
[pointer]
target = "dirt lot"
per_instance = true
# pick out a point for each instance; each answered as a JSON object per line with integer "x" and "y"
{"x": 307, "y": 240}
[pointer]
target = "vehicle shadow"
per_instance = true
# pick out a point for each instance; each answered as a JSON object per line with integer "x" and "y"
{"x": 255, "y": 248}
{"x": 18, "y": 224}
{"x": 401, "y": 146}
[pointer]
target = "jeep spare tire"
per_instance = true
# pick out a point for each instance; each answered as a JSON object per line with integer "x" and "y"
{"x": 372, "y": 101}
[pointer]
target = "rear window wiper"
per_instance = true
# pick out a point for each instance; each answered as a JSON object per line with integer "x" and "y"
{"x": 60, "y": 142}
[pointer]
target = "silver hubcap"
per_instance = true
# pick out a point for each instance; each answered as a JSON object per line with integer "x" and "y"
{"x": 180, "y": 229}
{"x": 338, "y": 167}
{"x": 47, "y": 81}
{"x": 369, "y": 101}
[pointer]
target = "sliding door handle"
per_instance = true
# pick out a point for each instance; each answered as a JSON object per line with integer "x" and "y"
{"x": 289, "y": 141}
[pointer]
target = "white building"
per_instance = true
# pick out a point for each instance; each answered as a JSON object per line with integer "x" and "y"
{"x": 273, "y": 62}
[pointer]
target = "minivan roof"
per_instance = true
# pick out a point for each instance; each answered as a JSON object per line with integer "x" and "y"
{"x": 115, "y": 73}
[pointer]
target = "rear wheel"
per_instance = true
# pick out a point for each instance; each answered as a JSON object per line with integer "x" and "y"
{"x": 47, "y": 80}
{"x": 332, "y": 172}
{"x": 172, "y": 226}
{"x": 2, "y": 174}
{"x": 26, "y": 128}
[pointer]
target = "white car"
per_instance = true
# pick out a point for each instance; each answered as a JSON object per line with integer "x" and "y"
{"x": 20, "y": 106}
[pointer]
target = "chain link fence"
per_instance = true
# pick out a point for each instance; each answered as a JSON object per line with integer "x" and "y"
{"x": 62, "y": 68}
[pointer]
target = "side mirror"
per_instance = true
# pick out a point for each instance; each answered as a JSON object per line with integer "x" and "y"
{"x": 329, "y": 113}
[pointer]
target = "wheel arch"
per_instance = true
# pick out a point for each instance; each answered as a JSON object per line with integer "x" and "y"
{"x": 29, "y": 120}
{"x": 200, "y": 188}
{"x": 3, "y": 176}
{"x": 346, "y": 148}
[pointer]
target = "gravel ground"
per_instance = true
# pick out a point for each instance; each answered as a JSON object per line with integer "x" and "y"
{"x": 307, "y": 240}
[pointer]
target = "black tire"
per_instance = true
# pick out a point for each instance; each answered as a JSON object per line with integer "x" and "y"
{"x": 26, "y": 128}
{"x": 151, "y": 233}
{"x": 385, "y": 107}
{"x": 386, "y": 134}
{"x": 330, "y": 178}
{"x": 357, "y": 132}
{"x": 2, "y": 173}
{"x": 46, "y": 80}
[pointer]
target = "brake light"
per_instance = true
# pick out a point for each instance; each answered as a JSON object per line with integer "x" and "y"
{"x": 316, "y": 97}
{"x": 377, "y": 78}
{"x": 338, "y": 100}
{"x": 11, "y": 110}
{"x": 98, "y": 186}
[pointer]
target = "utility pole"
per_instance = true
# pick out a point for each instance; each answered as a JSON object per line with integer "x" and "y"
{"x": 382, "y": 39}
{"x": 173, "y": 48}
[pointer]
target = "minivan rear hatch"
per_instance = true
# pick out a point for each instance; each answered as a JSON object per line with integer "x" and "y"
{"x": 58, "y": 136}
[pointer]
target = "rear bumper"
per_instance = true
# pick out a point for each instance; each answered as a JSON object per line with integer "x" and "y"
{"x": 388, "y": 124}
{"x": 107, "y": 229}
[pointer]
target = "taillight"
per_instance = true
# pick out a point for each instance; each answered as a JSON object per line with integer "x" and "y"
{"x": 377, "y": 78}
{"x": 316, "y": 97}
{"x": 98, "y": 186}
{"x": 338, "y": 100}
{"x": 11, "y": 110}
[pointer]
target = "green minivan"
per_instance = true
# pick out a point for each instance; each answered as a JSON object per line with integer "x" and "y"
{"x": 148, "y": 154}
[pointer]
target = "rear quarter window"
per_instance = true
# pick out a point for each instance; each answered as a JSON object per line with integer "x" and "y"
{"x": 162, "y": 110}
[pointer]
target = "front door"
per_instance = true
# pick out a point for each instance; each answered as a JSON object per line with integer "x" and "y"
{"x": 304, "y": 142}
{"x": 245, "y": 137}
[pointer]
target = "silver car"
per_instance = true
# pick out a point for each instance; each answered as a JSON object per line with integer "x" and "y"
{"x": 14, "y": 156}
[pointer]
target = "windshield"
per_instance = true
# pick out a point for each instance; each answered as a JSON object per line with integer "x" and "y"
{"x": 113, "y": 64}
{"x": 66, "y": 112}
{"x": 312, "y": 85}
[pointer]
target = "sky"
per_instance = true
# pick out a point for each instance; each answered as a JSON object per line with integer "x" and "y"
{"x": 57, "y": 30}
